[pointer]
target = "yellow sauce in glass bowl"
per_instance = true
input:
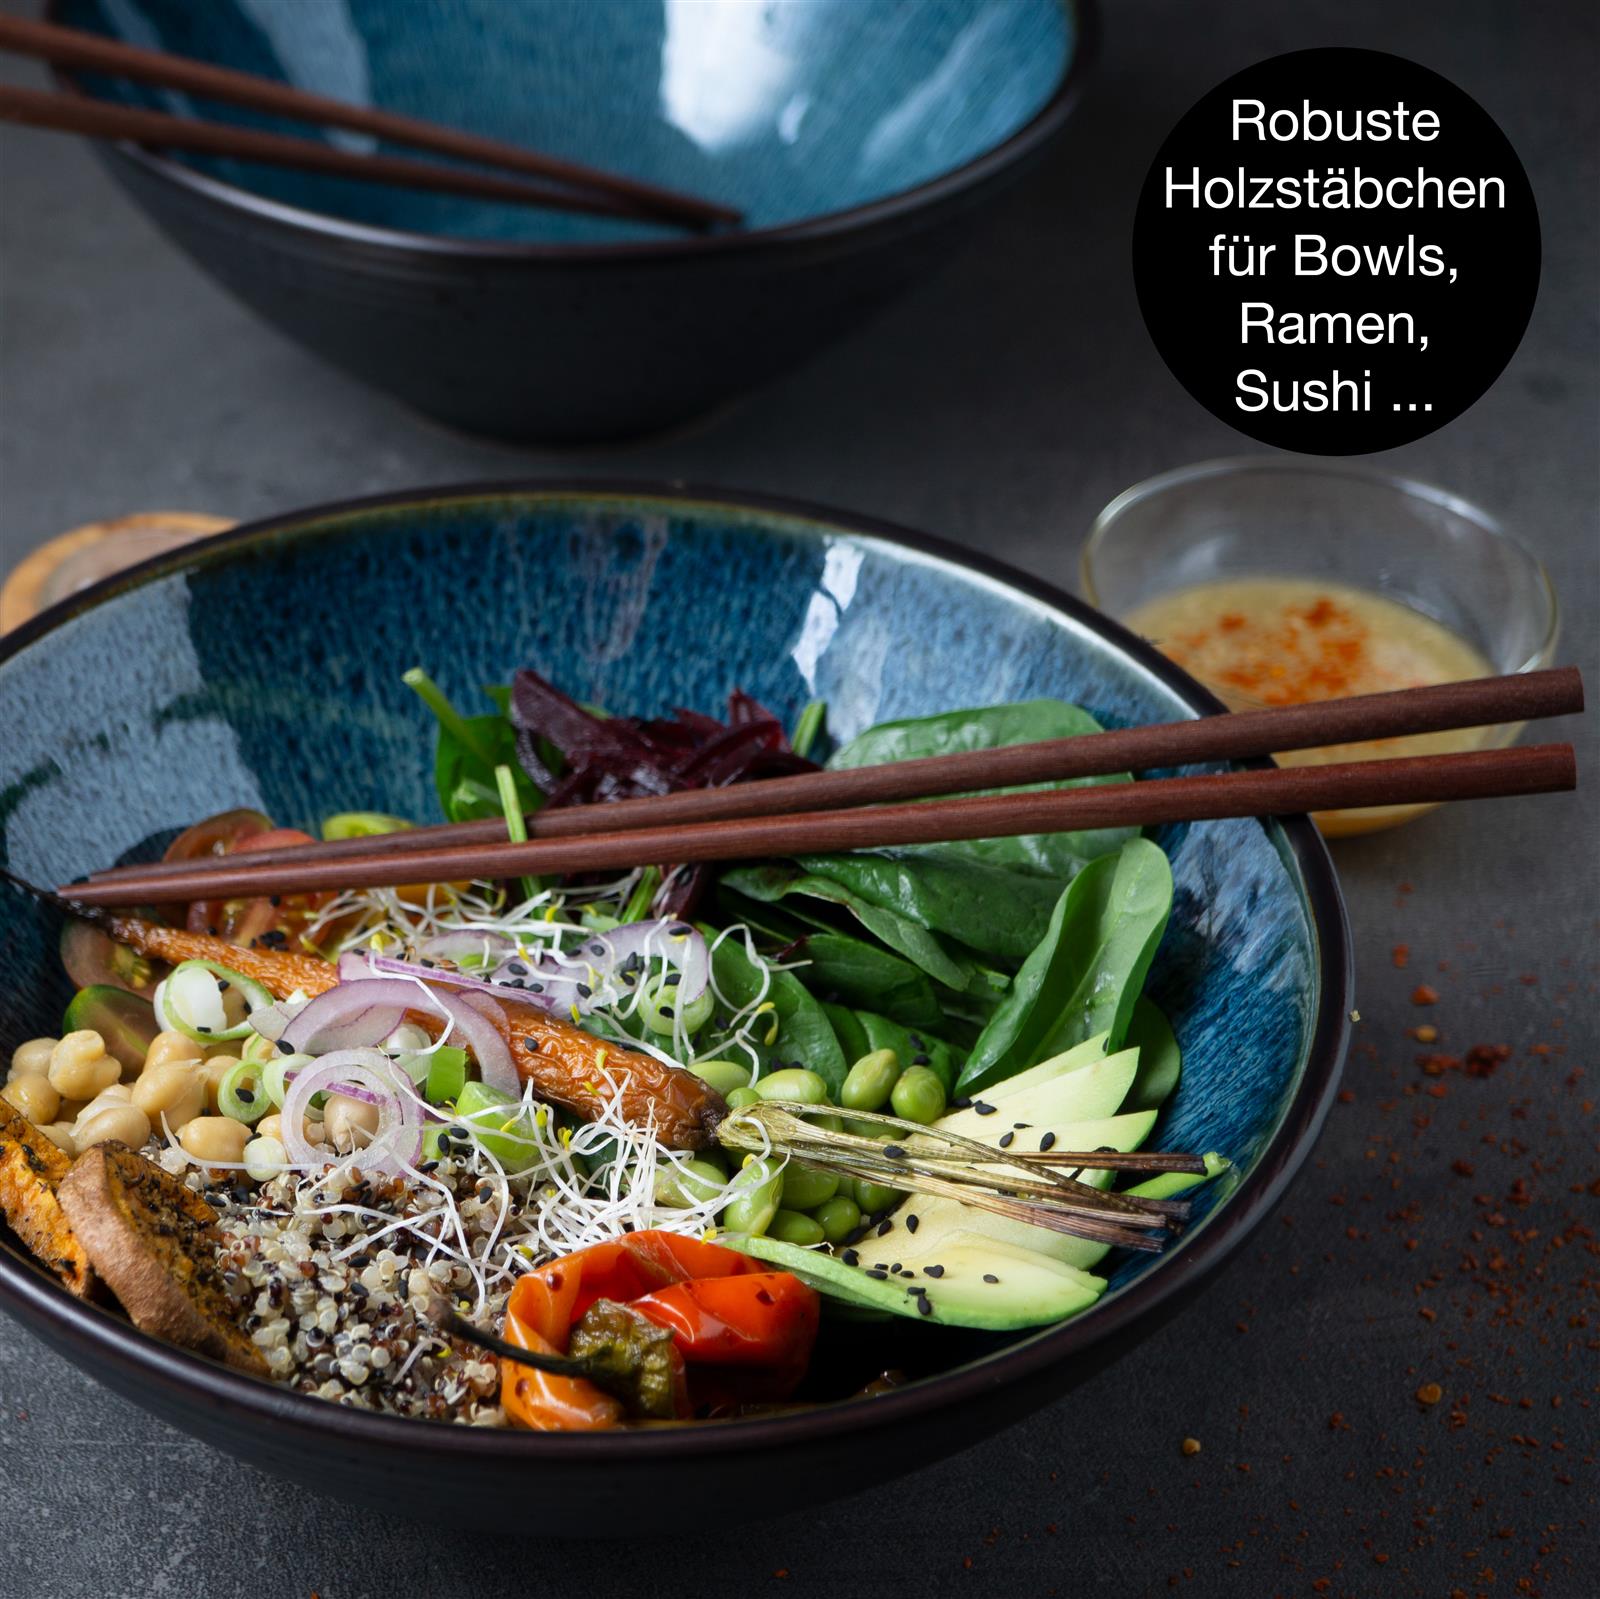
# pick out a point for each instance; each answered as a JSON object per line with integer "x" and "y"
{"x": 1285, "y": 641}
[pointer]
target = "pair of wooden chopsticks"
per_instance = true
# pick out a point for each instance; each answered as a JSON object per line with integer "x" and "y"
{"x": 866, "y": 808}
{"x": 567, "y": 185}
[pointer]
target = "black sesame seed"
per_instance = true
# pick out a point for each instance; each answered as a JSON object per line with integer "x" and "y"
{"x": 912, "y": 1223}
{"x": 584, "y": 991}
{"x": 1047, "y": 1142}
{"x": 532, "y": 1044}
{"x": 275, "y": 899}
{"x": 989, "y": 1277}
{"x": 850, "y": 1257}
{"x": 222, "y": 985}
{"x": 680, "y": 929}
{"x": 878, "y": 1274}
{"x": 933, "y": 1271}
{"x": 982, "y": 1109}
{"x": 666, "y": 1010}
{"x": 925, "y": 1307}
{"x": 885, "y": 1227}
{"x": 894, "y": 1151}
{"x": 964, "y": 1103}
{"x": 1007, "y": 1139}
{"x": 246, "y": 1096}
{"x": 517, "y": 969}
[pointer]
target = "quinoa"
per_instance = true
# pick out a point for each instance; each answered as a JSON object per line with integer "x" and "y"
{"x": 352, "y": 1327}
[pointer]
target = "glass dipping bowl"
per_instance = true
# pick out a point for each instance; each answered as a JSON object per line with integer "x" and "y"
{"x": 1327, "y": 521}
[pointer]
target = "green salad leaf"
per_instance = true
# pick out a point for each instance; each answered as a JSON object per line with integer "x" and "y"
{"x": 800, "y": 1032}
{"x": 1160, "y": 1058}
{"x": 998, "y": 913}
{"x": 1084, "y": 976}
{"x": 777, "y": 882}
{"x": 1058, "y": 855}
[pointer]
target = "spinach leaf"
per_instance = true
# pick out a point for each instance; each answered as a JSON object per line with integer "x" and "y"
{"x": 848, "y": 1030}
{"x": 802, "y": 1031}
{"x": 1160, "y": 1058}
{"x": 468, "y": 750}
{"x": 1000, "y": 913}
{"x": 1058, "y": 855}
{"x": 1086, "y": 973}
{"x": 906, "y": 936}
{"x": 862, "y": 1031}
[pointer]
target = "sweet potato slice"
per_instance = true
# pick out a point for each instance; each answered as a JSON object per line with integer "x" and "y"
{"x": 152, "y": 1242}
{"x": 31, "y": 1170}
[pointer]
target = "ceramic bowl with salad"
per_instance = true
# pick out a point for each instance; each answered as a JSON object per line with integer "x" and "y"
{"x": 616, "y": 1178}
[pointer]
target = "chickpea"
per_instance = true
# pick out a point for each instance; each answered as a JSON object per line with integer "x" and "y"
{"x": 32, "y": 1096}
{"x": 116, "y": 1094}
{"x": 314, "y": 1132}
{"x": 32, "y": 1058}
{"x": 350, "y": 1123}
{"x": 215, "y": 1138}
{"x": 171, "y": 1049}
{"x": 60, "y": 1134}
{"x": 80, "y": 1067}
{"x": 126, "y": 1124}
{"x": 212, "y": 1070}
{"x": 175, "y": 1091}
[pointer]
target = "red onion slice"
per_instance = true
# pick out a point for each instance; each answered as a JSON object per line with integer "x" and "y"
{"x": 467, "y": 944}
{"x": 362, "y": 1074}
{"x": 351, "y": 1015}
{"x": 480, "y": 1024}
{"x": 664, "y": 938}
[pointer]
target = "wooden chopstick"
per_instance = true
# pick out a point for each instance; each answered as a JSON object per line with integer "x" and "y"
{"x": 1239, "y": 735}
{"x": 77, "y": 48}
{"x": 1277, "y": 791}
{"x": 71, "y": 114}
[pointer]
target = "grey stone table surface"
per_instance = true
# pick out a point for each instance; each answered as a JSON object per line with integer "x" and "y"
{"x": 1445, "y": 1232}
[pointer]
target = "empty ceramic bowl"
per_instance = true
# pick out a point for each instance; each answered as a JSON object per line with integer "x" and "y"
{"x": 858, "y": 137}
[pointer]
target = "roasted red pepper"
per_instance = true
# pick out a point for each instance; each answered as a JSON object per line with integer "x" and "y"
{"x": 744, "y": 1337}
{"x": 746, "y": 1333}
{"x": 539, "y": 1316}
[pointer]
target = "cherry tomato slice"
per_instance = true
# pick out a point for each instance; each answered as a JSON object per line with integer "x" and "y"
{"x": 96, "y": 960}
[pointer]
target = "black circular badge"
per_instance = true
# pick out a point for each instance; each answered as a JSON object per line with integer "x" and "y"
{"x": 1336, "y": 251}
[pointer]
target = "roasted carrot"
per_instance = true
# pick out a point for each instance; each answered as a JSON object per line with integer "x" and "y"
{"x": 566, "y": 1065}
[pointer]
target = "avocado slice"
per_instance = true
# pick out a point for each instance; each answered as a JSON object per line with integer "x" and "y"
{"x": 972, "y": 1282}
{"x": 939, "y": 1219}
{"x": 1086, "y": 1094}
{"x": 1084, "y": 1054}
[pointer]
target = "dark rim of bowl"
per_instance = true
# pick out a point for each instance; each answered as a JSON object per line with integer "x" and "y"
{"x": 104, "y": 1337}
{"x": 1032, "y": 135}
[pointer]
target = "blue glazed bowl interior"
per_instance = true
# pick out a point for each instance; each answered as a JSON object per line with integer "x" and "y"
{"x": 264, "y": 670}
{"x": 785, "y": 109}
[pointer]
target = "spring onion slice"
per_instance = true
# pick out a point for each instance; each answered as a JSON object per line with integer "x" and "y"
{"x": 190, "y": 1001}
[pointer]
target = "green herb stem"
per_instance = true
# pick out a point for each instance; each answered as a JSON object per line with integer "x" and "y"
{"x": 450, "y": 719}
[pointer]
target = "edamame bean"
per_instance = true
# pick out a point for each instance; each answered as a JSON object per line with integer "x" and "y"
{"x": 804, "y": 1187}
{"x": 740, "y": 1097}
{"x": 756, "y": 1191}
{"x": 689, "y": 1182}
{"x": 793, "y": 1082}
{"x": 723, "y": 1075}
{"x": 793, "y": 1228}
{"x": 873, "y": 1197}
{"x": 664, "y": 1012}
{"x": 838, "y": 1218}
{"x": 918, "y": 1096}
{"x": 870, "y": 1081}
